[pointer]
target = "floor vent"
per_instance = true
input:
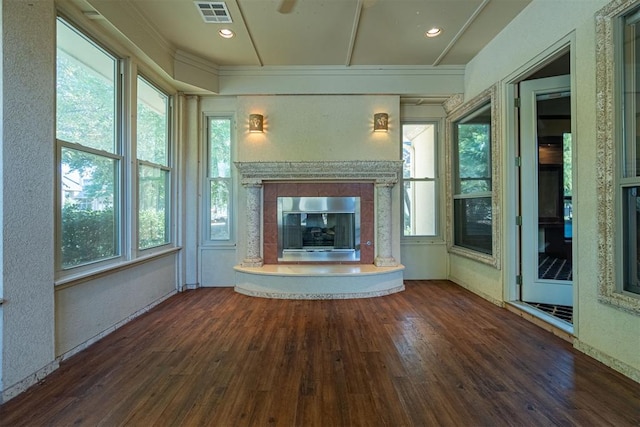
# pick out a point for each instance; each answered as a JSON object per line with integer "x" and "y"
{"x": 214, "y": 12}
{"x": 562, "y": 312}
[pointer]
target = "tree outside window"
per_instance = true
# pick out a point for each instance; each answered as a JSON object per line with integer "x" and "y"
{"x": 154, "y": 174}
{"x": 219, "y": 178}
{"x": 472, "y": 205}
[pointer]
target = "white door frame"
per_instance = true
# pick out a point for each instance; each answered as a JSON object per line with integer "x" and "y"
{"x": 511, "y": 240}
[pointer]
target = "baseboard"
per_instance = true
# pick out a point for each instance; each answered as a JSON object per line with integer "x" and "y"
{"x": 474, "y": 290}
{"x": 31, "y": 380}
{"x": 616, "y": 365}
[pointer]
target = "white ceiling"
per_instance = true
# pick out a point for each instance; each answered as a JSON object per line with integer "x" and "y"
{"x": 321, "y": 32}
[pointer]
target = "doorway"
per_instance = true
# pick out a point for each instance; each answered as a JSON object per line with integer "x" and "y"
{"x": 546, "y": 191}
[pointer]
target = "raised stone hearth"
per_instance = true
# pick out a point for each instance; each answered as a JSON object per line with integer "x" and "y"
{"x": 327, "y": 281}
{"x": 378, "y": 272}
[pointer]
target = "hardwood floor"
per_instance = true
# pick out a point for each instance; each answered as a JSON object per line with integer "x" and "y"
{"x": 434, "y": 355}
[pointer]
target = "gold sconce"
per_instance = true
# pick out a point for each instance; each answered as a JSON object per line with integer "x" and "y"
{"x": 380, "y": 122}
{"x": 255, "y": 122}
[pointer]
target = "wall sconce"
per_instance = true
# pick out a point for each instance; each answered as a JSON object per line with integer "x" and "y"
{"x": 255, "y": 122}
{"x": 380, "y": 122}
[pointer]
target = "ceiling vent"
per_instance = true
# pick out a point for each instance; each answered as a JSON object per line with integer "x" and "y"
{"x": 214, "y": 12}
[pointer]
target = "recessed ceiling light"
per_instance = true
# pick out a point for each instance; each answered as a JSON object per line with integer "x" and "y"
{"x": 226, "y": 33}
{"x": 433, "y": 32}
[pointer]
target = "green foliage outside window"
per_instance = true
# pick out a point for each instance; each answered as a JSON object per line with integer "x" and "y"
{"x": 152, "y": 207}
{"x": 89, "y": 221}
{"x": 151, "y": 228}
{"x": 152, "y": 138}
{"x": 219, "y": 148}
{"x": 472, "y": 207}
{"x": 152, "y": 124}
{"x": 474, "y": 162}
{"x": 219, "y": 178}
{"x": 87, "y": 235}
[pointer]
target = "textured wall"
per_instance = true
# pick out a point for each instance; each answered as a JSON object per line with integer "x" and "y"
{"x": 319, "y": 127}
{"x": 28, "y": 184}
{"x": 88, "y": 309}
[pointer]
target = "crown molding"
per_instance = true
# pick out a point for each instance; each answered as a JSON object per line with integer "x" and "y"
{"x": 338, "y": 70}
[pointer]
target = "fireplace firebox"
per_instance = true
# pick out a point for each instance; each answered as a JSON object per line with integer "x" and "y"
{"x": 318, "y": 229}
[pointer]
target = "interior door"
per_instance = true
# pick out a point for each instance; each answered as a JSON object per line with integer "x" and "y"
{"x": 546, "y": 191}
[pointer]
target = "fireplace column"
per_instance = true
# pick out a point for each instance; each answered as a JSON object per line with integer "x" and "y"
{"x": 253, "y": 258}
{"x": 384, "y": 257}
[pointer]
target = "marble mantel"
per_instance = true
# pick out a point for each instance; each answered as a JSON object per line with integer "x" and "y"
{"x": 378, "y": 171}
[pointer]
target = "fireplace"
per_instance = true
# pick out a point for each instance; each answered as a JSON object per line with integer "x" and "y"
{"x": 314, "y": 201}
{"x": 318, "y": 229}
{"x": 363, "y": 190}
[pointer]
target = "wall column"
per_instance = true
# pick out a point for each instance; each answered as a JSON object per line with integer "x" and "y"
{"x": 384, "y": 257}
{"x": 254, "y": 208}
{"x": 27, "y": 154}
{"x": 189, "y": 109}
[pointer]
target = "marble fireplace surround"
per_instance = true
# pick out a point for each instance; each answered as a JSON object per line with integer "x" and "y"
{"x": 256, "y": 278}
{"x": 272, "y": 191}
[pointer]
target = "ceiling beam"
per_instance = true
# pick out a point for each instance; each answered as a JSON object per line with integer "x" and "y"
{"x": 459, "y": 34}
{"x": 354, "y": 32}
{"x": 246, "y": 27}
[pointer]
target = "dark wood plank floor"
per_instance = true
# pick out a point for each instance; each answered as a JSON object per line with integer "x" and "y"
{"x": 434, "y": 355}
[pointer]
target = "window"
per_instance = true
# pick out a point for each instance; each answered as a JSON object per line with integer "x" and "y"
{"x": 618, "y": 160}
{"x": 154, "y": 174}
{"x": 419, "y": 179}
{"x": 89, "y": 150}
{"x": 95, "y": 178}
{"x": 219, "y": 178}
{"x": 472, "y": 210}
{"x": 473, "y": 194}
{"x": 629, "y": 182}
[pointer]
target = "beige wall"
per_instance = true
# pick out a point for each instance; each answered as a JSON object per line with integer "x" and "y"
{"x": 318, "y": 127}
{"x": 89, "y": 310}
{"x": 479, "y": 278}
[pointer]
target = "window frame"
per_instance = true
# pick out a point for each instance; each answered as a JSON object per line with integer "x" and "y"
{"x": 437, "y": 236}
{"x": 168, "y": 167}
{"x": 609, "y": 179}
{"x": 457, "y": 114}
{"x": 119, "y": 155}
{"x": 230, "y": 180}
{"x": 126, "y": 187}
{"x": 627, "y": 149}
